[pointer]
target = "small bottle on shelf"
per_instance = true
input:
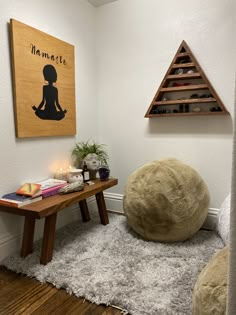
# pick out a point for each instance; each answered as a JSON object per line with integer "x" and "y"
{"x": 186, "y": 108}
{"x": 86, "y": 173}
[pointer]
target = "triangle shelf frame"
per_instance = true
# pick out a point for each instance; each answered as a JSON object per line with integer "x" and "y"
{"x": 180, "y": 80}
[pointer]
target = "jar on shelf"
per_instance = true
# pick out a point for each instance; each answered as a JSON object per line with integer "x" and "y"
{"x": 104, "y": 172}
{"x": 75, "y": 176}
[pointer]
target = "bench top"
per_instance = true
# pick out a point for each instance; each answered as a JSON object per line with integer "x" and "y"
{"x": 50, "y": 205}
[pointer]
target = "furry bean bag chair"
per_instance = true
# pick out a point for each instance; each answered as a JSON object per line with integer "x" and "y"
{"x": 166, "y": 200}
{"x": 210, "y": 290}
{"x": 223, "y": 220}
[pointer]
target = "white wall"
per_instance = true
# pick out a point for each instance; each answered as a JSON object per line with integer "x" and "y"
{"x": 122, "y": 52}
{"x": 30, "y": 159}
{"x": 136, "y": 42}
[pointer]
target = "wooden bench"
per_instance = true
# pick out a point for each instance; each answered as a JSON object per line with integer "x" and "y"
{"x": 48, "y": 208}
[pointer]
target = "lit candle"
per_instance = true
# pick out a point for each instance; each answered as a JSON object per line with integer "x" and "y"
{"x": 60, "y": 174}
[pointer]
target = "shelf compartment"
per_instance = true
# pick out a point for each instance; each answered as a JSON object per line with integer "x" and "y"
{"x": 187, "y": 114}
{"x": 195, "y": 75}
{"x": 184, "y": 88}
{"x": 181, "y": 55}
{"x": 184, "y": 65}
{"x": 186, "y": 101}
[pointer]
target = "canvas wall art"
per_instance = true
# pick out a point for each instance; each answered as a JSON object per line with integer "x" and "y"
{"x": 43, "y": 83}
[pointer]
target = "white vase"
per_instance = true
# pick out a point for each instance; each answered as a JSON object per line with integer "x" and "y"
{"x": 75, "y": 176}
{"x": 93, "y": 164}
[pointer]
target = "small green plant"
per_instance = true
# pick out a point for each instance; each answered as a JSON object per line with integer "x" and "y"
{"x": 82, "y": 149}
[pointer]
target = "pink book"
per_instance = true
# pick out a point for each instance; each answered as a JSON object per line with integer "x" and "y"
{"x": 52, "y": 190}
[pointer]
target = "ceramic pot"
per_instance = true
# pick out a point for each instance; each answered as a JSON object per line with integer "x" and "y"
{"x": 75, "y": 176}
{"x": 93, "y": 164}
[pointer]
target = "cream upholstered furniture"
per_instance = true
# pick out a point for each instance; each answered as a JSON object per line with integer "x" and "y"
{"x": 223, "y": 220}
{"x": 210, "y": 290}
{"x": 166, "y": 200}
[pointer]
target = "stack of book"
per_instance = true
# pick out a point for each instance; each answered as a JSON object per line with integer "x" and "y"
{"x": 24, "y": 195}
{"x": 51, "y": 186}
{"x": 31, "y": 192}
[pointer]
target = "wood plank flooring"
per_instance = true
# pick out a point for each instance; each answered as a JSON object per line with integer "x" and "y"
{"x": 22, "y": 295}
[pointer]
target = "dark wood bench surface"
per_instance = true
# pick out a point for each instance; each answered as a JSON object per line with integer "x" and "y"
{"x": 48, "y": 208}
{"x": 50, "y": 205}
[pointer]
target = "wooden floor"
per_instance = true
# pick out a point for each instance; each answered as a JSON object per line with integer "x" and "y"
{"x": 22, "y": 295}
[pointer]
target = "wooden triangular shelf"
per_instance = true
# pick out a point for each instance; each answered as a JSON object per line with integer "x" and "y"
{"x": 185, "y": 90}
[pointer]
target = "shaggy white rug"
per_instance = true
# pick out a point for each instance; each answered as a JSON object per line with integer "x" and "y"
{"x": 112, "y": 265}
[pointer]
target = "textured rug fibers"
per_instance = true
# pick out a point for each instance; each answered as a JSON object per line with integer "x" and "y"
{"x": 112, "y": 265}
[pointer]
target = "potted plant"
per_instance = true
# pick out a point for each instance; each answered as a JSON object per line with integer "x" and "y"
{"x": 93, "y": 154}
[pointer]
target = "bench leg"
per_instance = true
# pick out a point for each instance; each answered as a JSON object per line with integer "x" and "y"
{"x": 102, "y": 208}
{"x": 48, "y": 239}
{"x": 28, "y": 237}
{"x": 84, "y": 210}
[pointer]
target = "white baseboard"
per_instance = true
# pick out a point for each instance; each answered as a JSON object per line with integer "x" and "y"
{"x": 114, "y": 204}
{"x": 211, "y": 220}
{"x": 10, "y": 242}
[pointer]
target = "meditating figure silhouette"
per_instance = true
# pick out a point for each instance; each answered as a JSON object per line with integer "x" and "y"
{"x": 52, "y": 109}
